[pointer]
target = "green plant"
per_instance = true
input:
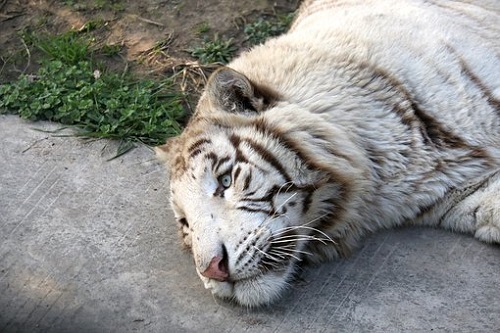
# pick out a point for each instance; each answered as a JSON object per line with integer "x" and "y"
{"x": 100, "y": 4}
{"x": 111, "y": 50}
{"x": 72, "y": 89}
{"x": 202, "y": 28}
{"x": 70, "y": 47}
{"x": 92, "y": 25}
{"x": 261, "y": 29}
{"x": 214, "y": 50}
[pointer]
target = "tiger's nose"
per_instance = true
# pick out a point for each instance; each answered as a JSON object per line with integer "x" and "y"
{"x": 217, "y": 269}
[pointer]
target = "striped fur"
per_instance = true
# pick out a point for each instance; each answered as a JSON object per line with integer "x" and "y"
{"x": 366, "y": 115}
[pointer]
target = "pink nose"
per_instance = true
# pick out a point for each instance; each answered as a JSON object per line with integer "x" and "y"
{"x": 216, "y": 270}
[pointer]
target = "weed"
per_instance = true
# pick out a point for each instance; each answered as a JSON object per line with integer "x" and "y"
{"x": 111, "y": 50}
{"x": 99, "y": 4}
{"x": 161, "y": 46}
{"x": 72, "y": 89}
{"x": 261, "y": 29}
{"x": 214, "y": 50}
{"x": 92, "y": 25}
{"x": 202, "y": 28}
{"x": 70, "y": 48}
{"x": 286, "y": 20}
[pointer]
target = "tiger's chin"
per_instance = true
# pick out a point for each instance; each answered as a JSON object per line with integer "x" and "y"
{"x": 252, "y": 292}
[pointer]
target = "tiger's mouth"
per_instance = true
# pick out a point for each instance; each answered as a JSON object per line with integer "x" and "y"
{"x": 256, "y": 268}
{"x": 253, "y": 291}
{"x": 253, "y": 257}
{"x": 259, "y": 278}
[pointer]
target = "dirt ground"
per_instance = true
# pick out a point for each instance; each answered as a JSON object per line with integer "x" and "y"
{"x": 153, "y": 36}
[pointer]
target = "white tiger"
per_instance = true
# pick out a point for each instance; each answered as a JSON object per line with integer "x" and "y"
{"x": 367, "y": 114}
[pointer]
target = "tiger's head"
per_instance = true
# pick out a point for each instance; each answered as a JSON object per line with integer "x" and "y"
{"x": 250, "y": 191}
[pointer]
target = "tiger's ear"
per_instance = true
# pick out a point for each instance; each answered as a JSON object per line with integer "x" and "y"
{"x": 169, "y": 152}
{"x": 233, "y": 92}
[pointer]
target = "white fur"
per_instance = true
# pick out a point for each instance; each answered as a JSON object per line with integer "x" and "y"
{"x": 358, "y": 82}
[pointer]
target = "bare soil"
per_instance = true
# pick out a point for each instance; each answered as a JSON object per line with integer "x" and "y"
{"x": 154, "y": 36}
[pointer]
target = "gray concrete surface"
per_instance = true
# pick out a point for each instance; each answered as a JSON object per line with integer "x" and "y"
{"x": 89, "y": 245}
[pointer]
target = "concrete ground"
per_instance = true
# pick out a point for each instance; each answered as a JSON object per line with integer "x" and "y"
{"x": 89, "y": 245}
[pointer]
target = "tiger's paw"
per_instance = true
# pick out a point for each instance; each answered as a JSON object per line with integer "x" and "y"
{"x": 488, "y": 220}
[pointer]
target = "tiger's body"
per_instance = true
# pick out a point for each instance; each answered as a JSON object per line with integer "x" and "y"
{"x": 365, "y": 115}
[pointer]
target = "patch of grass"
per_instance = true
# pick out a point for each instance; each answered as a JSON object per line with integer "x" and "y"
{"x": 92, "y": 25}
{"x": 111, "y": 50}
{"x": 70, "y": 48}
{"x": 157, "y": 53}
{"x": 161, "y": 46}
{"x": 202, "y": 28}
{"x": 214, "y": 50}
{"x": 71, "y": 88}
{"x": 260, "y": 30}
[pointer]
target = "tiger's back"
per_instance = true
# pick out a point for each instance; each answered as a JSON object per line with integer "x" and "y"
{"x": 445, "y": 55}
{"x": 366, "y": 115}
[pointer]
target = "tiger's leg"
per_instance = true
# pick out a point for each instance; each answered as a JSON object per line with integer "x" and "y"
{"x": 475, "y": 209}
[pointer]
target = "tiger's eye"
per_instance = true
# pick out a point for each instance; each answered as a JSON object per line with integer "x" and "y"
{"x": 225, "y": 180}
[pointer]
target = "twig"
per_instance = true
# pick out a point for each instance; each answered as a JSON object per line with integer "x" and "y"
{"x": 9, "y": 17}
{"x": 29, "y": 56}
{"x": 33, "y": 144}
{"x": 148, "y": 21}
{"x": 125, "y": 69}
